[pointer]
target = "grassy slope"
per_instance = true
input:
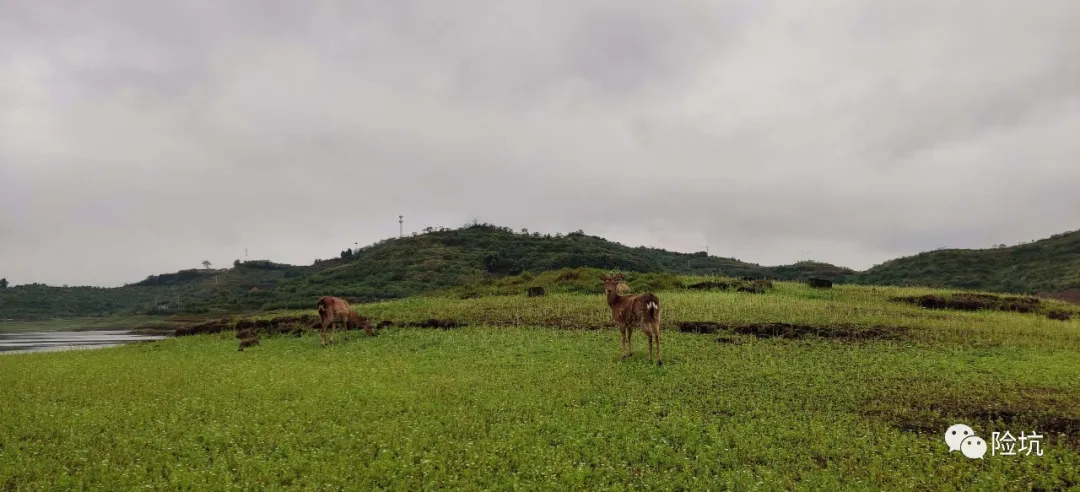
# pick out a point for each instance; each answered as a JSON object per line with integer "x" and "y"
{"x": 198, "y": 292}
{"x": 388, "y": 269}
{"x": 441, "y": 260}
{"x": 523, "y": 405}
{"x": 451, "y": 259}
{"x": 1048, "y": 265}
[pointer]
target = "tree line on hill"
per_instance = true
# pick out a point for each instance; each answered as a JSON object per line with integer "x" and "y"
{"x": 442, "y": 259}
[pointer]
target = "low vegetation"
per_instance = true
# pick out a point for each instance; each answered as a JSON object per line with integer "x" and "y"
{"x": 437, "y": 260}
{"x": 793, "y": 388}
{"x": 1046, "y": 266}
{"x": 469, "y": 259}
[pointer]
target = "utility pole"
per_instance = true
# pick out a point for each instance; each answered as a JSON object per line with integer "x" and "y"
{"x": 401, "y": 225}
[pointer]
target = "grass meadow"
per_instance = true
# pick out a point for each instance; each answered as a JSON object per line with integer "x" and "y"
{"x": 532, "y": 395}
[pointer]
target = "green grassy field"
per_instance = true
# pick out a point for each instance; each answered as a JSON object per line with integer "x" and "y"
{"x": 532, "y": 395}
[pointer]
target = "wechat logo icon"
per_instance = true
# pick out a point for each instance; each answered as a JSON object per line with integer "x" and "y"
{"x": 962, "y": 438}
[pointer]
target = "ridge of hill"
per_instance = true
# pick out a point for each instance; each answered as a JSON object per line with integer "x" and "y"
{"x": 469, "y": 258}
{"x": 1048, "y": 265}
{"x": 436, "y": 260}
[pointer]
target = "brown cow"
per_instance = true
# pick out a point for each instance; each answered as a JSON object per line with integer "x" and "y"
{"x": 631, "y": 311}
{"x": 334, "y": 310}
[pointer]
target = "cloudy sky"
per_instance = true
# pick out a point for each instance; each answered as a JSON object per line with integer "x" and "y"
{"x": 143, "y": 137}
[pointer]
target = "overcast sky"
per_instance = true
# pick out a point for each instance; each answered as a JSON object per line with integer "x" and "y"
{"x": 141, "y": 137}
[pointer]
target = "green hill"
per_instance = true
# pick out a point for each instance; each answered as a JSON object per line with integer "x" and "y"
{"x": 436, "y": 260}
{"x": 484, "y": 257}
{"x": 1048, "y": 265}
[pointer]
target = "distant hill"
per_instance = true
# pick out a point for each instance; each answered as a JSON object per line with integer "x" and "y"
{"x": 438, "y": 259}
{"x": 1047, "y": 265}
{"x": 481, "y": 257}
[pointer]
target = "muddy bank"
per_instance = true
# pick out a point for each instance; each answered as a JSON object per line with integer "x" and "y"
{"x": 443, "y": 324}
{"x": 1052, "y": 412}
{"x": 796, "y": 331}
{"x": 299, "y": 325}
{"x": 974, "y": 302}
{"x": 759, "y": 286}
{"x": 1072, "y": 296}
{"x": 294, "y": 325}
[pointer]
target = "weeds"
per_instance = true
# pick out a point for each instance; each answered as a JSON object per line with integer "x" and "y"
{"x": 504, "y": 401}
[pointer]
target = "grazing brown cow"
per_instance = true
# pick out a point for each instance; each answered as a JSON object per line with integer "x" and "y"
{"x": 623, "y": 289}
{"x": 631, "y": 311}
{"x": 334, "y": 310}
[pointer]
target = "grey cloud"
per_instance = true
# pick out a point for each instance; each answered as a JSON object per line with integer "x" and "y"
{"x": 150, "y": 137}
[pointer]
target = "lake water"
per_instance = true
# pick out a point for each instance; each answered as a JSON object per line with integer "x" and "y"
{"x": 47, "y": 341}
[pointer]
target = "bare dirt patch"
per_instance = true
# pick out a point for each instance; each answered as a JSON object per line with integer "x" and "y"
{"x": 1050, "y": 412}
{"x": 442, "y": 324}
{"x": 974, "y": 302}
{"x": 569, "y": 324}
{"x": 294, "y": 325}
{"x": 796, "y": 331}
{"x": 1072, "y": 296}
{"x": 1059, "y": 315}
{"x": 710, "y": 284}
{"x": 759, "y": 286}
{"x": 206, "y": 327}
{"x": 156, "y": 329}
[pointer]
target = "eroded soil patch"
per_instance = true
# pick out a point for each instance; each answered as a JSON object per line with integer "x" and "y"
{"x": 442, "y": 324}
{"x": 550, "y": 322}
{"x": 569, "y": 324}
{"x": 974, "y": 302}
{"x": 1072, "y": 296}
{"x": 1051, "y": 412}
{"x": 759, "y": 286}
{"x": 796, "y": 331}
{"x": 1059, "y": 315}
{"x": 293, "y": 325}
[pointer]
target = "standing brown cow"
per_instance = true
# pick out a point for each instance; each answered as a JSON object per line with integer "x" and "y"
{"x": 334, "y": 310}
